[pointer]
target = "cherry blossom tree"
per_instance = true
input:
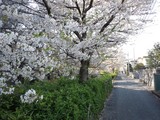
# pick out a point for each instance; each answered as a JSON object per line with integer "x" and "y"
{"x": 70, "y": 30}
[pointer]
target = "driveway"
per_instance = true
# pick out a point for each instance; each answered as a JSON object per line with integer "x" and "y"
{"x": 130, "y": 100}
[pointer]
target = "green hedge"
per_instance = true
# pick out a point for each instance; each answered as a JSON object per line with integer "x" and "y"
{"x": 63, "y": 100}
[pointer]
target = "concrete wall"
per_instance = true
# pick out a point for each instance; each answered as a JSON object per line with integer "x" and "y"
{"x": 147, "y": 76}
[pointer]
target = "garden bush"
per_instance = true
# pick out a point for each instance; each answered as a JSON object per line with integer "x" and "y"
{"x": 63, "y": 99}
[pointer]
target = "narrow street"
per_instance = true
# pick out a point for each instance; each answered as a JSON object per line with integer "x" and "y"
{"x": 131, "y": 101}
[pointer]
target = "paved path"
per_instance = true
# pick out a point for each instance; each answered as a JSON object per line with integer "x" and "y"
{"x": 131, "y": 101}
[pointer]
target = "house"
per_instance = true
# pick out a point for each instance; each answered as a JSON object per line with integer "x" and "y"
{"x": 143, "y": 60}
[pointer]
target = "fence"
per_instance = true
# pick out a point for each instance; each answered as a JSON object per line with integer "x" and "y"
{"x": 147, "y": 76}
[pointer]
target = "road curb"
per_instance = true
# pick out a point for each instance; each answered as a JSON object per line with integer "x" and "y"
{"x": 155, "y": 93}
{"x": 151, "y": 91}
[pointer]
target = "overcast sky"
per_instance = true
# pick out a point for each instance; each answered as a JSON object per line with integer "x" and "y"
{"x": 145, "y": 40}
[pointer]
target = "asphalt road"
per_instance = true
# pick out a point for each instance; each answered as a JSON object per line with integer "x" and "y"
{"x": 130, "y": 100}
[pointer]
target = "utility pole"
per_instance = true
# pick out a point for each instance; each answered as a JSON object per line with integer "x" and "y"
{"x": 128, "y": 64}
{"x": 134, "y": 52}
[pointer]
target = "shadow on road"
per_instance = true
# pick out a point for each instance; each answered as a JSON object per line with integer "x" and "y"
{"x": 118, "y": 78}
{"x": 129, "y": 104}
{"x": 130, "y": 101}
{"x": 128, "y": 84}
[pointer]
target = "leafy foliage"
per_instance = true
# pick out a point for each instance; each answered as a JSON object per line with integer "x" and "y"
{"x": 154, "y": 56}
{"x": 139, "y": 66}
{"x": 63, "y": 100}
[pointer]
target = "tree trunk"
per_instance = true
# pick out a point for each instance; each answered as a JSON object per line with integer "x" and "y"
{"x": 83, "y": 73}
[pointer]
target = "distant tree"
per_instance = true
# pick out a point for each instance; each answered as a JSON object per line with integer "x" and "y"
{"x": 154, "y": 57}
{"x": 139, "y": 66}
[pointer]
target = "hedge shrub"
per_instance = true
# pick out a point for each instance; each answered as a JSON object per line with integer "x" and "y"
{"x": 64, "y": 99}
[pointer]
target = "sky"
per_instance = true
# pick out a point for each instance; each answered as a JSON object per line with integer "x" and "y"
{"x": 141, "y": 43}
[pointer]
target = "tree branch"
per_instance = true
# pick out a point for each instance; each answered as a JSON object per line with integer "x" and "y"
{"x": 75, "y": 7}
{"x": 39, "y": 2}
{"x": 76, "y": 19}
{"x": 48, "y": 8}
{"x": 78, "y": 35}
{"x": 89, "y": 7}
{"x": 107, "y": 23}
{"x": 84, "y": 2}
{"x": 86, "y": 9}
{"x": 70, "y": 7}
{"x": 122, "y": 1}
{"x": 37, "y": 13}
{"x": 23, "y": 4}
{"x": 5, "y": 71}
{"x": 110, "y": 20}
{"x": 78, "y": 8}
